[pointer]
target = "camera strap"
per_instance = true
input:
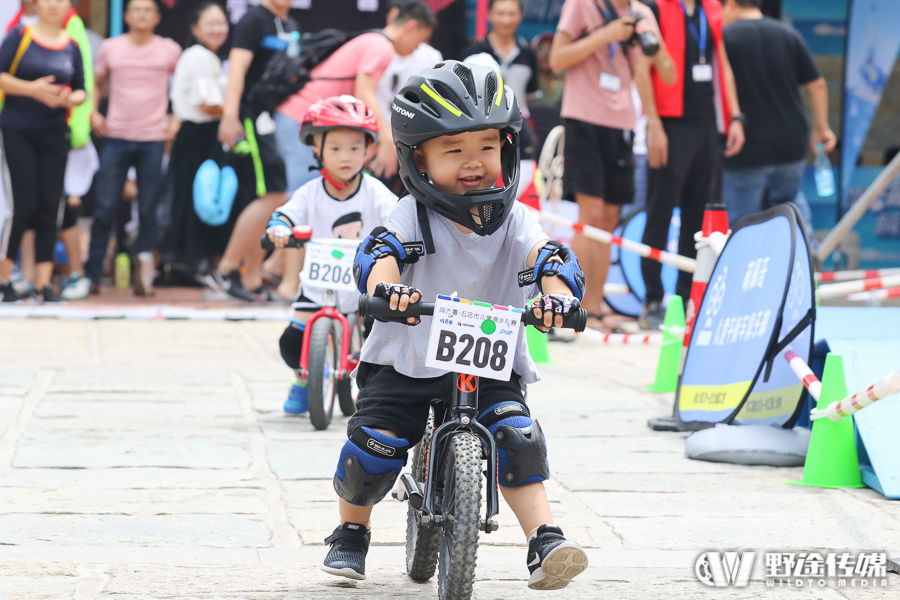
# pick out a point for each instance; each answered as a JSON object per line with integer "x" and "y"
{"x": 608, "y": 17}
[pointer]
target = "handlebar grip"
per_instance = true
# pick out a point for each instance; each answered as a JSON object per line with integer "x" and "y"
{"x": 576, "y": 320}
{"x": 292, "y": 242}
{"x": 381, "y": 307}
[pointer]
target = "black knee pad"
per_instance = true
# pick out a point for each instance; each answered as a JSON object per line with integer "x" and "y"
{"x": 291, "y": 345}
{"x": 369, "y": 464}
{"x": 521, "y": 448}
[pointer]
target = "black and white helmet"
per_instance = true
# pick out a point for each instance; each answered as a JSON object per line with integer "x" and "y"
{"x": 450, "y": 98}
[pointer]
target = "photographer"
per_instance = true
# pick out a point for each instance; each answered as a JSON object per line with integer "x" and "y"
{"x": 600, "y": 43}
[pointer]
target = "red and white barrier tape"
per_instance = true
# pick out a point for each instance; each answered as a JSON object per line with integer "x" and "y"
{"x": 804, "y": 373}
{"x": 837, "y": 411}
{"x": 615, "y": 289}
{"x": 623, "y": 338}
{"x": 839, "y": 290}
{"x": 682, "y": 263}
{"x": 851, "y": 275}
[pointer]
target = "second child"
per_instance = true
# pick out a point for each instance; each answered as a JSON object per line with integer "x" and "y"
{"x": 342, "y": 203}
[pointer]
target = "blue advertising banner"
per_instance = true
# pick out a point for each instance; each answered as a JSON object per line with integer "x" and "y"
{"x": 760, "y": 289}
{"x": 775, "y": 401}
{"x": 872, "y": 45}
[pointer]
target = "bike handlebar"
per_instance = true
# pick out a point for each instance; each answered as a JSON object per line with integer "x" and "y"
{"x": 380, "y": 307}
{"x": 300, "y": 234}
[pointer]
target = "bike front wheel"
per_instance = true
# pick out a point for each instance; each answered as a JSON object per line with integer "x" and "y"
{"x": 322, "y": 370}
{"x": 345, "y": 386}
{"x": 421, "y": 538}
{"x": 460, "y": 506}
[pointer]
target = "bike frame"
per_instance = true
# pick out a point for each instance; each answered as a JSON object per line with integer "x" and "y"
{"x": 345, "y": 366}
{"x": 463, "y": 412}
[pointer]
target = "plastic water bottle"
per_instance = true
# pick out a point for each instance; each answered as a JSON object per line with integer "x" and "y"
{"x": 824, "y": 174}
{"x": 293, "y": 49}
{"x": 123, "y": 271}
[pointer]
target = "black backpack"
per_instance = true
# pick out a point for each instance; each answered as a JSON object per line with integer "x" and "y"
{"x": 285, "y": 76}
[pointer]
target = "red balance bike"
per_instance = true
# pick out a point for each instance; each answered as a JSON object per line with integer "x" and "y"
{"x": 331, "y": 340}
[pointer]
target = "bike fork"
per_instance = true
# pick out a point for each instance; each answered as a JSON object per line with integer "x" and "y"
{"x": 463, "y": 414}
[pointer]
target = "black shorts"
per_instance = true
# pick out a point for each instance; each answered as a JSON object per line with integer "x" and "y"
{"x": 394, "y": 402}
{"x": 262, "y": 158}
{"x": 599, "y": 162}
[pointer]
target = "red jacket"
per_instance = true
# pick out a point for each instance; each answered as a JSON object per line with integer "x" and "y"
{"x": 670, "y": 98}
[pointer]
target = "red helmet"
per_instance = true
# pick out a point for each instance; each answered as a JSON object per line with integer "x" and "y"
{"x": 338, "y": 112}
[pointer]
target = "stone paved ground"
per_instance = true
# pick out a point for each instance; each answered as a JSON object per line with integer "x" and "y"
{"x": 151, "y": 459}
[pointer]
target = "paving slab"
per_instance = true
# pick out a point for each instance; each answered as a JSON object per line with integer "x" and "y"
{"x": 220, "y": 531}
{"x": 158, "y": 464}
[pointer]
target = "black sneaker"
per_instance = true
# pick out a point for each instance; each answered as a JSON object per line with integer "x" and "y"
{"x": 652, "y": 316}
{"x": 553, "y": 560}
{"x": 349, "y": 546}
{"x": 48, "y": 294}
{"x": 9, "y": 293}
{"x": 230, "y": 283}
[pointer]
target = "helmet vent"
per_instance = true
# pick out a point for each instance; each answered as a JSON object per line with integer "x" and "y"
{"x": 443, "y": 90}
{"x": 412, "y": 97}
{"x": 465, "y": 75}
{"x": 490, "y": 90}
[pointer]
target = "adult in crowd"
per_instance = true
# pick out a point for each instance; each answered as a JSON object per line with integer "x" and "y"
{"x": 263, "y": 31}
{"x": 395, "y": 75}
{"x": 198, "y": 96}
{"x": 771, "y": 62}
{"x": 599, "y": 117}
{"x": 685, "y": 121}
{"x": 354, "y": 68}
{"x": 42, "y": 75}
{"x": 518, "y": 66}
{"x": 136, "y": 66}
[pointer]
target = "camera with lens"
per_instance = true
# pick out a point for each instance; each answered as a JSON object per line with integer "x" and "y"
{"x": 648, "y": 41}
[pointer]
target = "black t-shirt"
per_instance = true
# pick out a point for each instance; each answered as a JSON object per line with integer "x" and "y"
{"x": 64, "y": 63}
{"x": 770, "y": 62}
{"x": 263, "y": 34}
{"x": 520, "y": 73}
{"x": 699, "y": 96}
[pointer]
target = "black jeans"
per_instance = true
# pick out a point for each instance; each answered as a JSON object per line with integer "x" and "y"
{"x": 37, "y": 168}
{"x": 691, "y": 179}
{"x": 116, "y": 158}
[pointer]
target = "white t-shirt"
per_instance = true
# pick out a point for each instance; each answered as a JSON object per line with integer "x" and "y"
{"x": 198, "y": 80}
{"x": 353, "y": 218}
{"x": 399, "y": 70}
{"x": 476, "y": 267}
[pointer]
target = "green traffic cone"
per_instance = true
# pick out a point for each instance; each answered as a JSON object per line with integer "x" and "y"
{"x": 670, "y": 352}
{"x": 831, "y": 461}
{"x": 538, "y": 346}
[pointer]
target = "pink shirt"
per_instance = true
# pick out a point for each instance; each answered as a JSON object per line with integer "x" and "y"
{"x": 369, "y": 53}
{"x": 138, "y": 86}
{"x": 583, "y": 98}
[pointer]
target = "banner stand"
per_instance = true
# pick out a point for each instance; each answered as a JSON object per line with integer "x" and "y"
{"x": 760, "y": 299}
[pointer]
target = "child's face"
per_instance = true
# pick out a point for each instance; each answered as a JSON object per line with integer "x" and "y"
{"x": 461, "y": 163}
{"x": 344, "y": 154}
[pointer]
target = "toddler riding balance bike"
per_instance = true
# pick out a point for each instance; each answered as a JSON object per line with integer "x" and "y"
{"x": 331, "y": 340}
{"x": 444, "y": 486}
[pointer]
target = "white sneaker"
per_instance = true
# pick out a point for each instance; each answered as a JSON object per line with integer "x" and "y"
{"x": 146, "y": 273}
{"x": 79, "y": 288}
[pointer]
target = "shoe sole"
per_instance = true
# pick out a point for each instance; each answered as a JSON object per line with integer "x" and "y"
{"x": 345, "y": 572}
{"x": 559, "y": 567}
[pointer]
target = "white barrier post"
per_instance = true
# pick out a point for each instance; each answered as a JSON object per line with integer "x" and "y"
{"x": 837, "y": 411}
{"x": 839, "y": 290}
{"x": 804, "y": 373}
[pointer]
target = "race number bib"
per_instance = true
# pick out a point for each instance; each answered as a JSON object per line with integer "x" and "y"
{"x": 328, "y": 264}
{"x": 474, "y": 338}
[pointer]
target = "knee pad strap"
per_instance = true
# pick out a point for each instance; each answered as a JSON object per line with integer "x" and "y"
{"x": 369, "y": 464}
